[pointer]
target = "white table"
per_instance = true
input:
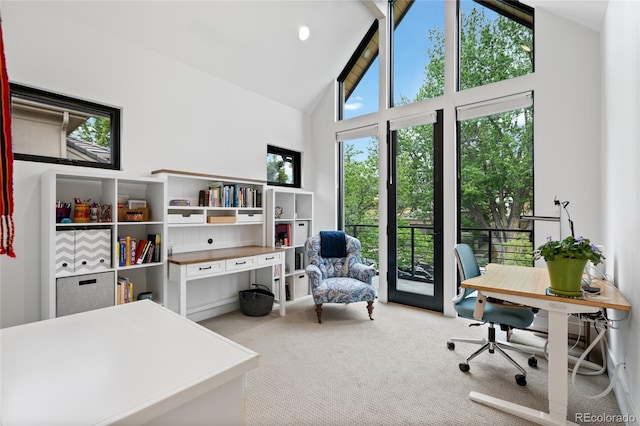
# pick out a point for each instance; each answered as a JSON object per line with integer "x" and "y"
{"x": 527, "y": 286}
{"x": 196, "y": 265}
{"x": 127, "y": 364}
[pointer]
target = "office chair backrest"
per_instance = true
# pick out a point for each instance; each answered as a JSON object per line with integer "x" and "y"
{"x": 467, "y": 265}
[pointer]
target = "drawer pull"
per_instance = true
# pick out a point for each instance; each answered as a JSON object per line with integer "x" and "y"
{"x": 93, "y": 281}
{"x": 241, "y": 263}
{"x": 269, "y": 258}
{"x": 204, "y": 268}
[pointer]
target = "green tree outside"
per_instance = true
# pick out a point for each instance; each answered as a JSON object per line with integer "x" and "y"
{"x": 495, "y": 152}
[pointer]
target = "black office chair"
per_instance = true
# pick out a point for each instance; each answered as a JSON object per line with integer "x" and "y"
{"x": 495, "y": 312}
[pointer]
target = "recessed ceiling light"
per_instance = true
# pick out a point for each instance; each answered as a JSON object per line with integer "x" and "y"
{"x": 303, "y": 32}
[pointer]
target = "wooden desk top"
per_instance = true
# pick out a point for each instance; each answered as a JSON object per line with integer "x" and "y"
{"x": 220, "y": 254}
{"x": 533, "y": 282}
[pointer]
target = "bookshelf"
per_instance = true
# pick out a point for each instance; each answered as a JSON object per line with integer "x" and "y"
{"x": 80, "y": 256}
{"x": 216, "y": 238}
{"x": 289, "y": 223}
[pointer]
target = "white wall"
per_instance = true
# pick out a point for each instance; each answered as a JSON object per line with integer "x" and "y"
{"x": 621, "y": 200}
{"x": 174, "y": 117}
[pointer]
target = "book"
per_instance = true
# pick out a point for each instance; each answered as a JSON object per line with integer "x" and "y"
{"x": 133, "y": 245}
{"x": 148, "y": 258}
{"x": 127, "y": 255}
{"x": 122, "y": 292}
{"x": 139, "y": 252}
{"x": 157, "y": 253}
{"x": 122, "y": 250}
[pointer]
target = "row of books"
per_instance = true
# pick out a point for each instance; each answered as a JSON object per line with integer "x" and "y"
{"x": 124, "y": 291}
{"x": 219, "y": 195}
{"x": 132, "y": 251}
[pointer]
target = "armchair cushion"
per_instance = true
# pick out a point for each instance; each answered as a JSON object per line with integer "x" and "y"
{"x": 333, "y": 243}
{"x": 343, "y": 290}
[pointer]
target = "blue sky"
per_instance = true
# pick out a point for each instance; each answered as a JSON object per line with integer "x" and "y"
{"x": 411, "y": 40}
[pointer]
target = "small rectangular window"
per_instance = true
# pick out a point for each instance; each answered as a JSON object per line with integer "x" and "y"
{"x": 52, "y": 128}
{"x": 283, "y": 167}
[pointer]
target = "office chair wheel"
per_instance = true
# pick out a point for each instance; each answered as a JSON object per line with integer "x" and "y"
{"x": 521, "y": 379}
{"x": 533, "y": 361}
{"x": 464, "y": 367}
{"x": 451, "y": 346}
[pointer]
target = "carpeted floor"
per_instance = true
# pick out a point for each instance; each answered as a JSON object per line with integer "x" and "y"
{"x": 395, "y": 370}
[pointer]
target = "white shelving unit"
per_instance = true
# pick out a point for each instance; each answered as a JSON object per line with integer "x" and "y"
{"x": 289, "y": 225}
{"x": 202, "y": 227}
{"x": 202, "y": 230}
{"x": 80, "y": 273}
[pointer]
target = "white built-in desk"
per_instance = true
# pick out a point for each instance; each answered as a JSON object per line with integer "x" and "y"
{"x": 196, "y": 265}
{"x": 130, "y": 364}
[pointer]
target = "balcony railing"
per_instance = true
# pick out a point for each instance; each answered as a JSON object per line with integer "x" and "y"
{"x": 415, "y": 247}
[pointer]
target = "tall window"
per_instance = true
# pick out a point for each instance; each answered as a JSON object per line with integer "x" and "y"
{"x": 495, "y": 148}
{"x": 358, "y": 82}
{"x": 418, "y": 50}
{"x": 496, "y": 41}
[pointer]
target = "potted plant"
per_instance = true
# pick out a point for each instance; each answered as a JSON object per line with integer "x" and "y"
{"x": 566, "y": 261}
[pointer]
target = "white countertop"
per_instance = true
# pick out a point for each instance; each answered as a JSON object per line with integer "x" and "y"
{"x": 135, "y": 361}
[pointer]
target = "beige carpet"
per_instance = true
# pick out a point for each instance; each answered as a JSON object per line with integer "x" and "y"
{"x": 395, "y": 370}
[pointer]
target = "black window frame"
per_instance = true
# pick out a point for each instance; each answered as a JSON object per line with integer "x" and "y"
{"x": 296, "y": 165}
{"x": 64, "y": 101}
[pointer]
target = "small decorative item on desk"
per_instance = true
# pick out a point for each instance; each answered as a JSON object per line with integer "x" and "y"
{"x": 63, "y": 211}
{"x": 81, "y": 211}
{"x": 104, "y": 213}
{"x": 278, "y": 212}
{"x": 566, "y": 261}
{"x": 93, "y": 212}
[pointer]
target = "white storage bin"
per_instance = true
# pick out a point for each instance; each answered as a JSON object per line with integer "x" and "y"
{"x": 84, "y": 293}
{"x": 300, "y": 286}
{"x": 301, "y": 232}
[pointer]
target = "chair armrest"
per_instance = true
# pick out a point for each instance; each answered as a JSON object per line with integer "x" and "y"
{"x": 458, "y": 297}
{"x": 314, "y": 274}
{"x": 362, "y": 272}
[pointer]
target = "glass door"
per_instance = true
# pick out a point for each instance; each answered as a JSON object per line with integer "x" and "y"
{"x": 358, "y": 197}
{"x": 415, "y": 213}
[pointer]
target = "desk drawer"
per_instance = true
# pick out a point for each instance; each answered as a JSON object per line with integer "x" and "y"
{"x": 205, "y": 268}
{"x": 241, "y": 263}
{"x": 269, "y": 259}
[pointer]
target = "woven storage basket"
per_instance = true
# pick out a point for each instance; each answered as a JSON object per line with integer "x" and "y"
{"x": 256, "y": 302}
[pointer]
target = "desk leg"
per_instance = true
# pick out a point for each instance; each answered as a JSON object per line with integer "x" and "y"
{"x": 557, "y": 380}
{"x": 183, "y": 293}
{"x": 283, "y": 295}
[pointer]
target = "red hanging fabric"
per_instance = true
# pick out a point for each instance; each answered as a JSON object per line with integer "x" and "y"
{"x": 7, "y": 226}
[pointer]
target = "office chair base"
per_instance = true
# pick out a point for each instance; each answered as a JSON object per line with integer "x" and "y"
{"x": 492, "y": 346}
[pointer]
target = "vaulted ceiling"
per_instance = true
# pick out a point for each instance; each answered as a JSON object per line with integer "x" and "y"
{"x": 252, "y": 44}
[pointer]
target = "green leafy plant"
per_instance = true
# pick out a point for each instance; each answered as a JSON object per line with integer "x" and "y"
{"x": 571, "y": 248}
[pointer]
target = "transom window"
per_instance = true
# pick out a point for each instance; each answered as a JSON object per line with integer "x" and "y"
{"x": 52, "y": 128}
{"x": 283, "y": 167}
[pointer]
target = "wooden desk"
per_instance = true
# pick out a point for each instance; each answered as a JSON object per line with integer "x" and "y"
{"x": 527, "y": 286}
{"x": 195, "y": 265}
{"x": 130, "y": 364}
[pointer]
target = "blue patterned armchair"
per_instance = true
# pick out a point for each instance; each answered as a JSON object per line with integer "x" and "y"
{"x": 335, "y": 273}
